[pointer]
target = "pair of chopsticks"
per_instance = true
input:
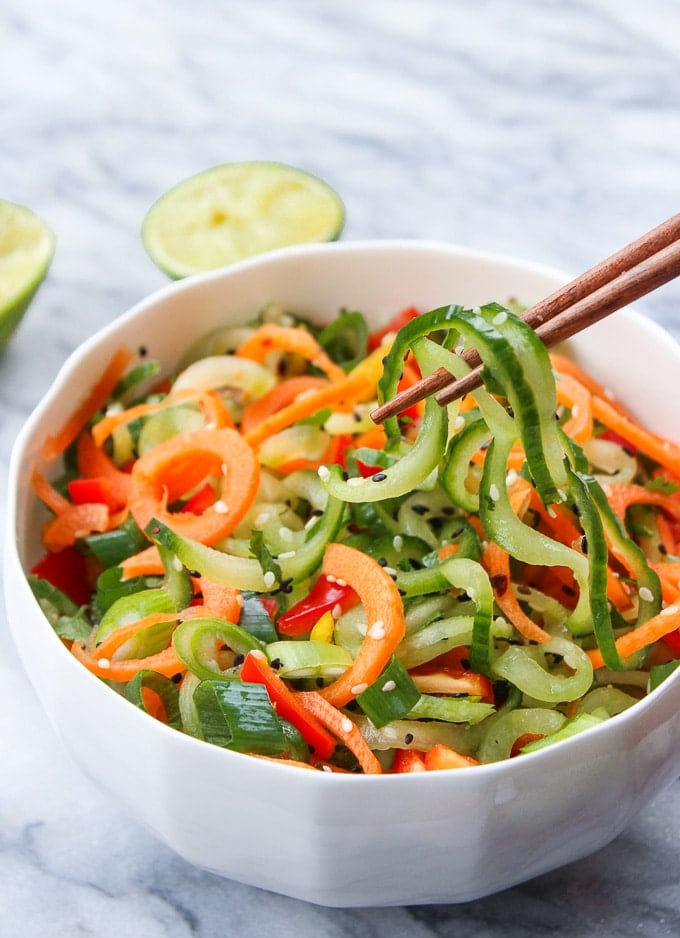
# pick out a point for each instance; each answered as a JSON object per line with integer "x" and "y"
{"x": 637, "y": 269}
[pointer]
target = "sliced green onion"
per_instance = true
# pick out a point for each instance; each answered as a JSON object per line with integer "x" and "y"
{"x": 198, "y": 643}
{"x": 451, "y": 709}
{"x": 392, "y": 697}
{"x": 240, "y": 717}
{"x": 308, "y": 658}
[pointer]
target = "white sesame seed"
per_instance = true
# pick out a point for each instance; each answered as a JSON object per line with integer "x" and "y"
{"x": 377, "y": 630}
{"x": 669, "y": 611}
{"x": 575, "y": 410}
{"x": 388, "y": 686}
{"x": 493, "y": 492}
{"x": 336, "y": 611}
{"x": 210, "y": 425}
{"x": 397, "y": 542}
{"x": 269, "y": 579}
{"x": 324, "y": 473}
{"x": 645, "y": 593}
{"x": 310, "y": 522}
{"x": 221, "y": 507}
{"x": 346, "y": 725}
{"x": 359, "y": 688}
{"x": 390, "y": 571}
{"x": 176, "y": 564}
{"x": 499, "y": 318}
{"x": 285, "y": 533}
{"x": 104, "y": 663}
{"x": 330, "y": 578}
{"x": 116, "y": 408}
{"x": 355, "y": 481}
{"x": 287, "y": 555}
{"x": 340, "y": 581}
{"x": 326, "y": 768}
{"x": 511, "y": 477}
{"x": 459, "y": 422}
{"x": 459, "y": 348}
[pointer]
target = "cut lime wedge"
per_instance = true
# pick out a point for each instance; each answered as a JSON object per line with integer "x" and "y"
{"x": 26, "y": 251}
{"x": 237, "y": 210}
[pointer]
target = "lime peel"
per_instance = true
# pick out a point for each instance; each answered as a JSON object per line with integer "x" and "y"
{"x": 26, "y": 250}
{"x": 237, "y": 210}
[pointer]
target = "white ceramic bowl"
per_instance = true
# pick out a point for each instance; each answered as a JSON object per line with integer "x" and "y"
{"x": 334, "y": 839}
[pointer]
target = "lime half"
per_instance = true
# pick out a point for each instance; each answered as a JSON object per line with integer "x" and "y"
{"x": 237, "y": 210}
{"x": 26, "y": 251}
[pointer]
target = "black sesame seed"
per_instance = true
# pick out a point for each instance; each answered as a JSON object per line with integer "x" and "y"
{"x": 382, "y": 561}
{"x": 584, "y": 544}
{"x": 275, "y": 664}
{"x": 420, "y": 509}
{"x": 238, "y": 660}
{"x": 379, "y": 477}
{"x": 142, "y": 351}
{"x": 408, "y": 739}
{"x": 568, "y": 590}
{"x": 662, "y": 549}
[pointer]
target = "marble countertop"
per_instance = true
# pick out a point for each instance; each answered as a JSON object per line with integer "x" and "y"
{"x": 549, "y": 130}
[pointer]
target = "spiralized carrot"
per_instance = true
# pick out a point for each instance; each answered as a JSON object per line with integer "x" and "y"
{"x": 271, "y": 337}
{"x": 101, "y": 662}
{"x": 177, "y": 465}
{"x": 666, "y": 621}
{"x": 92, "y": 403}
{"x": 380, "y": 598}
{"x": 497, "y": 563}
{"x": 342, "y": 727}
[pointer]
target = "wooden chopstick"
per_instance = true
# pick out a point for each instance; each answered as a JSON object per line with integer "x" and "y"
{"x": 637, "y": 269}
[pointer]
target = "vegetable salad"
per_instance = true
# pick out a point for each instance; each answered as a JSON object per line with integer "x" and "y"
{"x": 241, "y": 552}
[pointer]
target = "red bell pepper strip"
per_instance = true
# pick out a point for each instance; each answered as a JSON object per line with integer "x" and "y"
{"x": 408, "y": 760}
{"x": 67, "y": 570}
{"x": 323, "y": 597}
{"x": 375, "y": 339}
{"x": 98, "y": 491}
{"x": 257, "y": 670}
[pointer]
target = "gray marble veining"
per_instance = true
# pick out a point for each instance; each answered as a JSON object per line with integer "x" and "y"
{"x": 548, "y": 129}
